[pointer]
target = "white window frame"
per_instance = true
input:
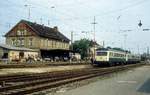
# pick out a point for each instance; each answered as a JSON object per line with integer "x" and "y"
{"x": 30, "y": 41}
{"x": 18, "y": 32}
{"x": 21, "y": 42}
{"x": 13, "y": 41}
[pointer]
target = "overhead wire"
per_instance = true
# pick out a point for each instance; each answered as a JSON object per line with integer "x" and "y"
{"x": 109, "y": 12}
{"x": 77, "y": 18}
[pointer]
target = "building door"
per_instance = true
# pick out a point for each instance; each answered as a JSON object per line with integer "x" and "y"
{"x": 21, "y": 54}
{"x": 5, "y": 55}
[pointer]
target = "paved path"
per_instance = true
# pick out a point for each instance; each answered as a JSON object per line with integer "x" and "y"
{"x": 132, "y": 82}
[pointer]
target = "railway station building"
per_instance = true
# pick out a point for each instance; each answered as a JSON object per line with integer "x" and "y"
{"x": 49, "y": 42}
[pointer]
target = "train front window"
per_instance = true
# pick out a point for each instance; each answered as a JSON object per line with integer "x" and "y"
{"x": 101, "y": 53}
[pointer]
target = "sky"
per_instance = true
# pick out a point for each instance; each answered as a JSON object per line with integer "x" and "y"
{"x": 117, "y": 20}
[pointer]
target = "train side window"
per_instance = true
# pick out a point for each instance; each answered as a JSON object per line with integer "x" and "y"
{"x": 101, "y": 53}
{"x": 111, "y": 54}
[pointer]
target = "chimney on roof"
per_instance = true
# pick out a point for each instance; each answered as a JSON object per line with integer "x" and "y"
{"x": 34, "y": 22}
{"x": 43, "y": 25}
{"x": 55, "y": 28}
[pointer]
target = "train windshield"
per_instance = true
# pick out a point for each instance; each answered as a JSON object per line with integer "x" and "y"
{"x": 101, "y": 53}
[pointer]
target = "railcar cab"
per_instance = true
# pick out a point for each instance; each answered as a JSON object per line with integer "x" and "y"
{"x": 101, "y": 57}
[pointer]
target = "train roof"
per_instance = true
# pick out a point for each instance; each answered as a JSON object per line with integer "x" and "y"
{"x": 113, "y": 49}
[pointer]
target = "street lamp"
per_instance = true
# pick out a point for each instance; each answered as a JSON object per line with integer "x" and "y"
{"x": 140, "y": 24}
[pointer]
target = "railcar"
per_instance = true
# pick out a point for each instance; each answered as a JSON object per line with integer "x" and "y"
{"x": 132, "y": 58}
{"x": 109, "y": 57}
{"x": 112, "y": 57}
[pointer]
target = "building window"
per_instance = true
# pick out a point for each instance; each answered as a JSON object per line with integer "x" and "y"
{"x": 18, "y": 32}
{"x": 67, "y": 46}
{"x": 58, "y": 45}
{"x": 30, "y": 41}
{"x": 42, "y": 43}
{"x": 52, "y": 44}
{"x": 21, "y": 42}
{"x": 63, "y": 45}
{"x": 25, "y": 32}
{"x": 21, "y": 32}
{"x": 13, "y": 42}
{"x": 55, "y": 44}
{"x": 45, "y": 43}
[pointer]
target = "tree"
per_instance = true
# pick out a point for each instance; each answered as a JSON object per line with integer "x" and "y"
{"x": 82, "y": 46}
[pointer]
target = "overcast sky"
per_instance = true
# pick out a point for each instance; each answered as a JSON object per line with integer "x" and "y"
{"x": 117, "y": 20}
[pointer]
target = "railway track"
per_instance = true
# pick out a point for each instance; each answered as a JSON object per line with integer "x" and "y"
{"x": 26, "y": 84}
{"x": 42, "y": 64}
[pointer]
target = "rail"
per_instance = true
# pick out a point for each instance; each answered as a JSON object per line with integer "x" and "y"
{"x": 18, "y": 85}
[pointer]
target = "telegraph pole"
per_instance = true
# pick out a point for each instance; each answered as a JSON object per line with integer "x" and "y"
{"x": 103, "y": 44}
{"x": 41, "y": 20}
{"x": 147, "y": 50}
{"x": 48, "y": 22}
{"x": 138, "y": 49}
{"x": 71, "y": 40}
{"x": 8, "y": 25}
{"x": 94, "y": 24}
{"x": 125, "y": 38}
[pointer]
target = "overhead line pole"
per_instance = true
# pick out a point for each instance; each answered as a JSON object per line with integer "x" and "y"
{"x": 29, "y": 11}
{"x": 71, "y": 40}
{"x": 52, "y": 7}
{"x": 94, "y": 24}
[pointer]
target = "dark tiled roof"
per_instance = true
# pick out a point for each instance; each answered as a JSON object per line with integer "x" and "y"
{"x": 46, "y": 32}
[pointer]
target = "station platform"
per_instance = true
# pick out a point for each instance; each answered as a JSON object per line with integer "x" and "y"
{"x": 36, "y": 68}
{"x": 131, "y": 82}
